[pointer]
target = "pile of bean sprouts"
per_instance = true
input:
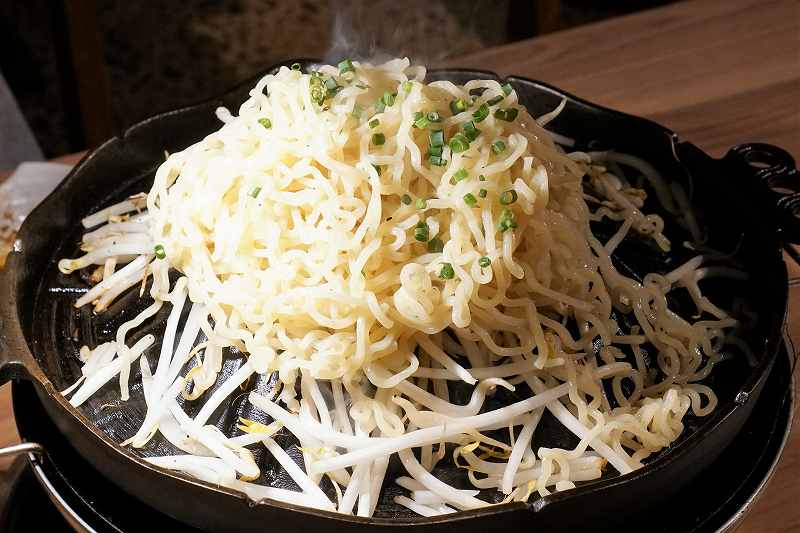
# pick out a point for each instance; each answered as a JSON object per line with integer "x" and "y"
{"x": 377, "y": 242}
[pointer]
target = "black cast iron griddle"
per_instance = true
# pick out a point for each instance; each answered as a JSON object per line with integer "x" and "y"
{"x": 747, "y": 201}
{"x": 718, "y": 497}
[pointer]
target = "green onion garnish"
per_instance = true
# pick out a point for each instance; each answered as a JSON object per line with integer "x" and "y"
{"x": 407, "y": 86}
{"x": 434, "y": 116}
{"x": 484, "y": 262}
{"x": 508, "y": 114}
{"x": 447, "y": 271}
{"x": 435, "y": 245}
{"x": 496, "y": 100}
{"x": 317, "y": 90}
{"x": 481, "y": 178}
{"x": 482, "y": 193}
{"x": 458, "y": 106}
{"x": 438, "y": 161}
{"x": 159, "y": 251}
{"x": 506, "y": 220}
{"x": 380, "y": 106}
{"x": 421, "y": 203}
{"x": 357, "y": 109}
{"x": 346, "y": 66}
{"x": 460, "y": 175}
{"x": 498, "y": 147}
{"x": 388, "y": 98}
{"x": 436, "y": 138}
{"x": 481, "y": 113}
{"x": 331, "y": 85}
{"x": 295, "y": 66}
{"x": 362, "y": 86}
{"x": 421, "y": 232}
{"x": 422, "y": 122}
{"x": 406, "y": 199}
{"x": 508, "y": 197}
{"x": 378, "y": 139}
{"x": 459, "y": 143}
{"x": 374, "y": 123}
{"x": 470, "y": 131}
{"x": 267, "y": 123}
{"x": 507, "y": 88}
{"x": 255, "y": 191}
{"x": 470, "y": 199}
{"x": 435, "y": 151}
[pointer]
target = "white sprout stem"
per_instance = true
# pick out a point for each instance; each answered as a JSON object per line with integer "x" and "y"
{"x": 418, "y": 508}
{"x": 258, "y": 493}
{"x": 168, "y": 343}
{"x": 573, "y": 424}
{"x": 449, "y": 494}
{"x": 225, "y": 390}
{"x": 99, "y": 256}
{"x": 155, "y": 411}
{"x": 439, "y": 433}
{"x": 351, "y": 492}
{"x": 364, "y": 495}
{"x": 126, "y": 206}
{"x": 409, "y": 483}
{"x": 209, "y": 469}
{"x": 294, "y": 471}
{"x": 106, "y": 373}
{"x": 309, "y": 429}
{"x": 428, "y": 497}
{"x": 517, "y": 452}
{"x": 438, "y": 355}
{"x": 342, "y": 417}
{"x": 197, "y": 315}
{"x": 96, "y": 291}
{"x": 379, "y": 468}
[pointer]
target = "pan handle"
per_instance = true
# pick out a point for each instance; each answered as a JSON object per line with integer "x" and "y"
{"x": 12, "y": 354}
{"x": 773, "y": 174}
{"x": 24, "y": 447}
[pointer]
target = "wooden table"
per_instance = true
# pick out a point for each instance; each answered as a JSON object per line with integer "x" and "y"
{"x": 716, "y": 72}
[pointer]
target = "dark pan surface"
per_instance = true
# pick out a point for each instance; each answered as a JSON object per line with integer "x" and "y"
{"x": 55, "y": 330}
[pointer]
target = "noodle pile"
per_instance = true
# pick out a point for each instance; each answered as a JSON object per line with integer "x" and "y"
{"x": 379, "y": 243}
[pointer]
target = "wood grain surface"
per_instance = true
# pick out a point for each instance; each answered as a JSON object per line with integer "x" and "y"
{"x": 718, "y": 73}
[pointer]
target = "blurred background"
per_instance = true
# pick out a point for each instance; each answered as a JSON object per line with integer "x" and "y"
{"x": 78, "y": 71}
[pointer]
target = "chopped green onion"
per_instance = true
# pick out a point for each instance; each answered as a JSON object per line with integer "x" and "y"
{"x": 378, "y": 169}
{"x": 421, "y": 203}
{"x": 459, "y": 143}
{"x": 362, "y": 86}
{"x": 357, "y": 109}
{"x": 378, "y": 139}
{"x": 374, "y": 123}
{"x": 380, "y": 106}
{"x": 421, "y": 232}
{"x": 406, "y": 199}
{"x": 434, "y": 116}
{"x": 460, "y": 175}
{"x": 331, "y": 85}
{"x": 470, "y": 131}
{"x": 436, "y": 138}
{"x": 496, "y": 100}
{"x": 507, "y": 89}
{"x": 498, "y": 147}
{"x": 435, "y": 245}
{"x": 438, "y": 161}
{"x": 508, "y": 197}
{"x": 435, "y": 151}
{"x": 421, "y": 123}
{"x": 255, "y": 191}
{"x": 506, "y": 220}
{"x": 482, "y": 193}
{"x": 470, "y": 199}
{"x": 267, "y": 123}
{"x": 481, "y": 178}
{"x": 484, "y": 262}
{"x": 295, "y": 66}
{"x": 447, "y": 271}
{"x": 388, "y": 98}
{"x": 159, "y": 251}
{"x": 481, "y": 113}
{"x": 346, "y": 66}
{"x": 317, "y": 90}
{"x": 458, "y": 106}
{"x": 418, "y": 115}
{"x": 508, "y": 114}
{"x": 407, "y": 86}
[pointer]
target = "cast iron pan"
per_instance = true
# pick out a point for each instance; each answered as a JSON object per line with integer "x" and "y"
{"x": 747, "y": 202}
